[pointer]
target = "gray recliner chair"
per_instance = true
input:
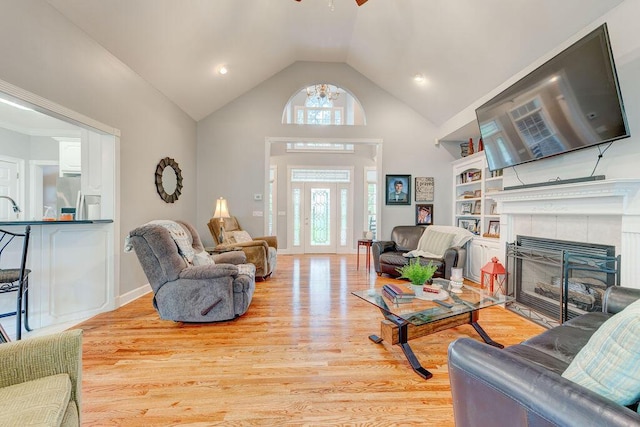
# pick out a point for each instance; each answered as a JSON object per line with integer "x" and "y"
{"x": 192, "y": 293}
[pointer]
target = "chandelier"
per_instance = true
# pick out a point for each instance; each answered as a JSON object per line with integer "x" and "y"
{"x": 323, "y": 92}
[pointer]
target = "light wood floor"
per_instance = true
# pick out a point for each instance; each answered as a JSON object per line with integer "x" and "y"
{"x": 299, "y": 357}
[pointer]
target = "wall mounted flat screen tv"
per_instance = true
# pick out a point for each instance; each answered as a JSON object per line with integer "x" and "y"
{"x": 572, "y": 101}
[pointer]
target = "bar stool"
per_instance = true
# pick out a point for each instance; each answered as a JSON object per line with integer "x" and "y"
{"x": 16, "y": 279}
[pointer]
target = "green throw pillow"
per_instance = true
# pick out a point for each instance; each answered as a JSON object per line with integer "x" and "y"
{"x": 609, "y": 364}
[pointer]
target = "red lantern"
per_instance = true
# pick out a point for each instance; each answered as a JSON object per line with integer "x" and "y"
{"x": 492, "y": 277}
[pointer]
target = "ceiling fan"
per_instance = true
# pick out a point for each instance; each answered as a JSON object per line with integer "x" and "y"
{"x": 359, "y": 2}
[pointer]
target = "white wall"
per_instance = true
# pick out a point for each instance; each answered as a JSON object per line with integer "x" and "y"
{"x": 622, "y": 158}
{"x": 42, "y": 52}
{"x": 231, "y": 144}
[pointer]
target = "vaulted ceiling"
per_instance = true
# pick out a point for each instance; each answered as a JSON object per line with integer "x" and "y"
{"x": 464, "y": 48}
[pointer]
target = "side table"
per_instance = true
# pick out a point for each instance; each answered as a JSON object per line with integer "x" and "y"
{"x": 367, "y": 244}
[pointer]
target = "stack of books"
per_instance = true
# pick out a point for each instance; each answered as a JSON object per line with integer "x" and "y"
{"x": 396, "y": 294}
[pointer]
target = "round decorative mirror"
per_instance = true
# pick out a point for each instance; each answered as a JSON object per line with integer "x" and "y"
{"x": 168, "y": 180}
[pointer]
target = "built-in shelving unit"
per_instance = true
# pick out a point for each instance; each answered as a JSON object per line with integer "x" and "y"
{"x": 475, "y": 209}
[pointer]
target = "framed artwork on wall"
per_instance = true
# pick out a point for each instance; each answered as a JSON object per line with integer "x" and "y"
{"x": 424, "y": 189}
{"x": 398, "y": 189}
{"x": 424, "y": 214}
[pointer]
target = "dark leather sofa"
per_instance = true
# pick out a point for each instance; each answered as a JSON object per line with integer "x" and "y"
{"x": 388, "y": 254}
{"x": 522, "y": 384}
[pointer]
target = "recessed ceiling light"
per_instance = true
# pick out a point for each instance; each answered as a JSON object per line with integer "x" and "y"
{"x": 222, "y": 70}
{"x": 419, "y": 78}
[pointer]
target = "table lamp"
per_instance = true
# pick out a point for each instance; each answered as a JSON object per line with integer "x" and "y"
{"x": 221, "y": 212}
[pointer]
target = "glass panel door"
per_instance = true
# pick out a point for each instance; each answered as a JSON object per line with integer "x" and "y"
{"x": 320, "y": 217}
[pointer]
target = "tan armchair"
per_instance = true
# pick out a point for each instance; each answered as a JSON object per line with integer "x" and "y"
{"x": 260, "y": 251}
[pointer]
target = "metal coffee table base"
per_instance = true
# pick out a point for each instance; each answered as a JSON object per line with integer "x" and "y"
{"x": 398, "y": 331}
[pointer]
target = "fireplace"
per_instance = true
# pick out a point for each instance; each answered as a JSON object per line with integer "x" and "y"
{"x": 605, "y": 212}
{"x": 555, "y": 280}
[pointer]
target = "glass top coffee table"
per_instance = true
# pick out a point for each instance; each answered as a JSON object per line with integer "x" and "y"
{"x": 428, "y": 314}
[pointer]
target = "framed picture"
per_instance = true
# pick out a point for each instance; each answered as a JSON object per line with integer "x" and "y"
{"x": 494, "y": 228}
{"x": 398, "y": 189}
{"x": 466, "y": 208}
{"x": 477, "y": 207}
{"x": 424, "y": 189}
{"x": 493, "y": 209}
{"x": 424, "y": 214}
{"x": 476, "y": 176}
{"x": 477, "y": 193}
{"x": 469, "y": 224}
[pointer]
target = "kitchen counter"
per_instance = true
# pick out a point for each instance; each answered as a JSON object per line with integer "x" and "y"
{"x": 80, "y": 221}
{"x": 72, "y": 267}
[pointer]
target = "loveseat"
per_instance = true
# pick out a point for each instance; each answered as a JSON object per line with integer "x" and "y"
{"x": 523, "y": 385}
{"x": 40, "y": 380}
{"x": 441, "y": 244}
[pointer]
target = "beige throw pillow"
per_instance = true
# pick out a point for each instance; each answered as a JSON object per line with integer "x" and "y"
{"x": 240, "y": 236}
{"x": 435, "y": 242}
{"x": 202, "y": 258}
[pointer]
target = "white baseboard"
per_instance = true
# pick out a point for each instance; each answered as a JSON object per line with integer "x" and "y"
{"x": 132, "y": 295}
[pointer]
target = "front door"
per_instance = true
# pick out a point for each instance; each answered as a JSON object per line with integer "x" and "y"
{"x": 320, "y": 217}
{"x": 320, "y": 211}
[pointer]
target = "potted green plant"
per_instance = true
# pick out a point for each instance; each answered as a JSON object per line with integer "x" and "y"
{"x": 417, "y": 273}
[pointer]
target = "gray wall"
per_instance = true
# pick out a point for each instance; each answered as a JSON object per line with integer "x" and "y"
{"x": 231, "y": 145}
{"x": 42, "y": 52}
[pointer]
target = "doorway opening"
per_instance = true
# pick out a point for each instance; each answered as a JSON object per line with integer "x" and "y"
{"x": 355, "y": 198}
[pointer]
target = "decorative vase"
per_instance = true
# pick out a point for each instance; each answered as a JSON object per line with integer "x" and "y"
{"x": 417, "y": 289}
{"x": 470, "y": 145}
{"x": 480, "y": 145}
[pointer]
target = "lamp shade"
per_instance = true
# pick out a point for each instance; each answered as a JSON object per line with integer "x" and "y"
{"x": 222, "y": 211}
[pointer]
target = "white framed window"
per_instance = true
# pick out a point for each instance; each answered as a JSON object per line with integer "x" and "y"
{"x": 370, "y": 201}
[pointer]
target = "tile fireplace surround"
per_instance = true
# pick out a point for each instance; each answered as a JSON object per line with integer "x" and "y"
{"x": 605, "y": 212}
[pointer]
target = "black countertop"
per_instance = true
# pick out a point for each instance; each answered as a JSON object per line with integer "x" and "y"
{"x": 81, "y": 221}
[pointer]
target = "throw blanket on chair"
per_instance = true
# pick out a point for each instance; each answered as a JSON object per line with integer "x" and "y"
{"x": 432, "y": 244}
{"x": 182, "y": 239}
{"x": 179, "y": 235}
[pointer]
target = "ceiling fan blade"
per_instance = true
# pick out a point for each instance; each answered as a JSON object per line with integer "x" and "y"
{"x": 361, "y": 2}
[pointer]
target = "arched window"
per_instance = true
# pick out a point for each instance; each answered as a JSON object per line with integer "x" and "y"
{"x": 323, "y": 104}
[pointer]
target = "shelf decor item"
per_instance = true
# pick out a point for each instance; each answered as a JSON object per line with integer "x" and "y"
{"x": 471, "y": 146}
{"x": 464, "y": 149}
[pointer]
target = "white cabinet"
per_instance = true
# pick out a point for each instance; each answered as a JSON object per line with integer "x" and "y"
{"x": 479, "y": 252}
{"x": 72, "y": 274}
{"x": 70, "y": 157}
{"x": 475, "y": 210}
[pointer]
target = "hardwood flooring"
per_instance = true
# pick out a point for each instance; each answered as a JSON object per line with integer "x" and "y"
{"x": 300, "y": 356}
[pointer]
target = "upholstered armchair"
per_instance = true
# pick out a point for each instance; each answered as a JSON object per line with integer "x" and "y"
{"x": 188, "y": 284}
{"x": 41, "y": 380}
{"x": 260, "y": 251}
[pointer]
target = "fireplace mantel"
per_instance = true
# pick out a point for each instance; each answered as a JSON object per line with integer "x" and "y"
{"x": 603, "y": 212}
{"x": 606, "y": 197}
